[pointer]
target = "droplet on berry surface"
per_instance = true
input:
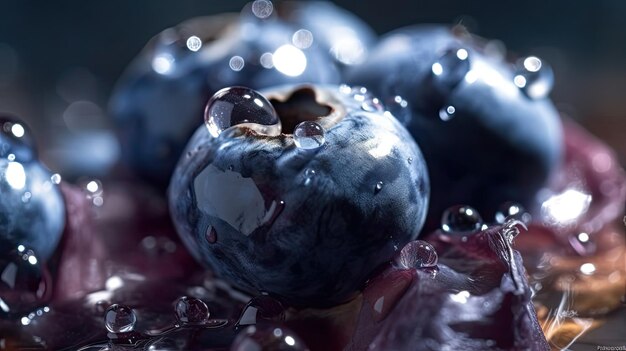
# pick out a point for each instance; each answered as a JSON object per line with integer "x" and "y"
{"x": 378, "y": 187}
{"x": 461, "y": 219}
{"x": 309, "y": 174}
{"x": 241, "y": 106}
{"x": 534, "y": 77}
{"x": 267, "y": 338}
{"x": 417, "y": 254}
{"x": 119, "y": 319}
{"x": 309, "y": 135}
{"x": 450, "y": 69}
{"x": 190, "y": 310}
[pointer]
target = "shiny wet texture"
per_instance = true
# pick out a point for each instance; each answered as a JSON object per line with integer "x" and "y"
{"x": 288, "y": 219}
{"x": 484, "y": 140}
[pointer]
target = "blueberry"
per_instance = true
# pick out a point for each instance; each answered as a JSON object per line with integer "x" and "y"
{"x": 158, "y": 102}
{"x": 485, "y": 140}
{"x": 32, "y": 211}
{"x": 306, "y": 224}
{"x": 32, "y": 217}
{"x": 345, "y": 36}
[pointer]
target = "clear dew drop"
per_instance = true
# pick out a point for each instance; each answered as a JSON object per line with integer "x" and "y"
{"x": 447, "y": 113}
{"x": 119, "y": 319}
{"x": 211, "y": 235}
{"x": 461, "y": 219}
{"x": 240, "y": 105}
{"x": 512, "y": 210}
{"x": 450, "y": 69}
{"x": 368, "y": 102}
{"x": 417, "y": 254}
{"x": 409, "y": 160}
{"x": 309, "y": 175}
{"x": 534, "y": 77}
{"x": 378, "y": 187}
{"x": 190, "y": 310}
{"x": 308, "y": 135}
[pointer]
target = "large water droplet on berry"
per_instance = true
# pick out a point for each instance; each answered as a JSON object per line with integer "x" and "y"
{"x": 417, "y": 254}
{"x": 23, "y": 281}
{"x": 534, "y": 77}
{"x": 241, "y": 106}
{"x": 119, "y": 319}
{"x": 512, "y": 210}
{"x": 262, "y": 308}
{"x": 461, "y": 219}
{"x": 450, "y": 69}
{"x": 190, "y": 310}
{"x": 308, "y": 135}
{"x": 270, "y": 338}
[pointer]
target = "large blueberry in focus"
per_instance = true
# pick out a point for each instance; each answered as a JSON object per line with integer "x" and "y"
{"x": 32, "y": 211}
{"x": 341, "y": 33}
{"x": 485, "y": 140}
{"x": 304, "y": 209}
{"x": 158, "y": 102}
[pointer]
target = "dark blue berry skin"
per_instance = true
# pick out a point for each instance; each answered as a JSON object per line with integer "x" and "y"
{"x": 499, "y": 146}
{"x": 156, "y": 113}
{"x": 32, "y": 211}
{"x": 245, "y": 205}
{"x": 341, "y": 33}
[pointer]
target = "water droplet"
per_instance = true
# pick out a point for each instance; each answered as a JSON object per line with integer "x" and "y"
{"x": 410, "y": 160}
{"x": 461, "y": 219}
{"x": 262, "y": 308}
{"x": 190, "y": 310}
{"x": 267, "y": 338}
{"x": 308, "y": 135}
{"x": 447, "y": 113}
{"x": 56, "y": 178}
{"x": 26, "y": 197}
{"x": 512, "y": 210}
{"x": 450, "y": 69}
{"x": 534, "y": 77}
{"x": 378, "y": 187}
{"x": 262, "y": 8}
{"x": 211, "y": 235}
{"x": 309, "y": 174}
{"x": 119, "y": 319}
{"x": 239, "y": 105}
{"x": 417, "y": 254}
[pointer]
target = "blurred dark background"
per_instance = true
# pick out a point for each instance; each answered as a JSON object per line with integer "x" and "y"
{"x": 54, "y": 54}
